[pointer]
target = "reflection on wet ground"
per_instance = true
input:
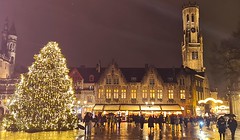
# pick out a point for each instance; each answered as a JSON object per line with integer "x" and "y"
{"x": 127, "y": 131}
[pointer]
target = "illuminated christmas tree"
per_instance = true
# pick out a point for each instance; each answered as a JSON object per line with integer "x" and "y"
{"x": 43, "y": 98}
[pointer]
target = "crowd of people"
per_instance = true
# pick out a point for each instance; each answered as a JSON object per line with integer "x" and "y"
{"x": 177, "y": 122}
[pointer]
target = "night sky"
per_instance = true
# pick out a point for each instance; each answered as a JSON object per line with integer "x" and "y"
{"x": 132, "y": 32}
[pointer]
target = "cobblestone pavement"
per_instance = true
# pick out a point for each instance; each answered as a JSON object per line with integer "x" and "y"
{"x": 128, "y": 131}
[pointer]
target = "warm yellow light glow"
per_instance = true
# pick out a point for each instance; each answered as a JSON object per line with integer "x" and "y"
{"x": 210, "y": 99}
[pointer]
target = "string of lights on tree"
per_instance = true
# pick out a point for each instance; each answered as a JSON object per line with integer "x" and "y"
{"x": 43, "y": 98}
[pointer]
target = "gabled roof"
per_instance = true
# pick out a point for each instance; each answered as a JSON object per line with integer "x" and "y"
{"x": 86, "y": 72}
{"x": 168, "y": 75}
{"x": 133, "y": 74}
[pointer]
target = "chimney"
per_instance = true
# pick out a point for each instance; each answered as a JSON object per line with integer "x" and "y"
{"x": 98, "y": 67}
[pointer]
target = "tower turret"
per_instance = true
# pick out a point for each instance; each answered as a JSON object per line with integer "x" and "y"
{"x": 3, "y": 48}
{"x": 11, "y": 47}
{"x": 192, "y": 45}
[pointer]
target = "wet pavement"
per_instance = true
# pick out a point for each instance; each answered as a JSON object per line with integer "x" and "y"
{"x": 127, "y": 131}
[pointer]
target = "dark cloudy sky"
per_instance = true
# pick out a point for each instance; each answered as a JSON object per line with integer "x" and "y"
{"x": 133, "y": 32}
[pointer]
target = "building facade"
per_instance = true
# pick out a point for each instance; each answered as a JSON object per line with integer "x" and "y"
{"x": 7, "y": 63}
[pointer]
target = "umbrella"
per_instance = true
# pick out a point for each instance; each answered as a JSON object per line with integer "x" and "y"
{"x": 111, "y": 114}
{"x": 230, "y": 115}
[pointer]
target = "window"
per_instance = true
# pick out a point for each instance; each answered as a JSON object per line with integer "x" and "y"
{"x": 133, "y": 79}
{"x": 170, "y": 94}
{"x": 89, "y": 99}
{"x": 181, "y": 81}
{"x": 152, "y": 93}
{"x": 108, "y": 93}
{"x": 151, "y": 82}
{"x": 194, "y": 55}
{"x": 133, "y": 93}
{"x": 192, "y": 18}
{"x": 108, "y": 80}
{"x": 91, "y": 78}
{"x": 144, "y": 93}
{"x": 115, "y": 81}
{"x": 115, "y": 93}
{"x": 159, "y": 94}
{"x": 123, "y": 95}
{"x": 91, "y": 87}
{"x": 182, "y": 94}
{"x": 100, "y": 93}
{"x": 187, "y": 17}
{"x": 0, "y": 63}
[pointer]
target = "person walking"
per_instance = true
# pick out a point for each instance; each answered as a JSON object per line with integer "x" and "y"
{"x": 141, "y": 121}
{"x": 87, "y": 120}
{"x": 232, "y": 125}
{"x": 151, "y": 123}
{"x": 221, "y": 125}
{"x": 172, "y": 121}
{"x": 160, "y": 121}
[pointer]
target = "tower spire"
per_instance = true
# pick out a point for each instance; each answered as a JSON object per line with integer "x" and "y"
{"x": 192, "y": 45}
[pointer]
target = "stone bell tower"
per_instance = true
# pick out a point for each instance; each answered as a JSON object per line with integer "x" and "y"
{"x": 192, "y": 45}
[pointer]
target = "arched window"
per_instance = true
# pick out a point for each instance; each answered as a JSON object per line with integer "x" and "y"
{"x": 192, "y": 18}
{"x": 187, "y": 17}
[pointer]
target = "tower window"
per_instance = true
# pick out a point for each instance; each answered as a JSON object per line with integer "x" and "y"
{"x": 194, "y": 55}
{"x": 187, "y": 17}
{"x": 192, "y": 18}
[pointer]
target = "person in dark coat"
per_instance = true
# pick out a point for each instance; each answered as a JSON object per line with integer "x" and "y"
{"x": 185, "y": 121}
{"x": 141, "y": 121}
{"x": 172, "y": 121}
{"x": 160, "y": 121}
{"x": 221, "y": 125}
{"x": 87, "y": 120}
{"x": 151, "y": 123}
{"x": 232, "y": 125}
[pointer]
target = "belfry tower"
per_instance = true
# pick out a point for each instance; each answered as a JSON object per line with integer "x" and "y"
{"x": 192, "y": 45}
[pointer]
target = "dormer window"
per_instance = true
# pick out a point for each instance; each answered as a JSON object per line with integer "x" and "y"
{"x": 170, "y": 79}
{"x": 91, "y": 78}
{"x": 151, "y": 82}
{"x": 116, "y": 81}
{"x": 108, "y": 80}
{"x": 133, "y": 79}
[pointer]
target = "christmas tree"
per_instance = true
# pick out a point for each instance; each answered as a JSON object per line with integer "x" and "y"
{"x": 43, "y": 97}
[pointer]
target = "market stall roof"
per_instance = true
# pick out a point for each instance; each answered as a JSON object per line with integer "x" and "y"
{"x": 130, "y": 107}
{"x": 171, "y": 107}
{"x": 137, "y": 107}
{"x": 111, "y": 107}
{"x": 98, "y": 107}
{"x": 150, "y": 107}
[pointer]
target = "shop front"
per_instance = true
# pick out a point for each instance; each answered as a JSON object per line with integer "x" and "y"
{"x": 127, "y": 110}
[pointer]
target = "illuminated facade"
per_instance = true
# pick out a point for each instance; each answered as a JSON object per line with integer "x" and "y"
{"x": 140, "y": 86}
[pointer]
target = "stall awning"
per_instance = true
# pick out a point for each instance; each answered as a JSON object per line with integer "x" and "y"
{"x": 171, "y": 108}
{"x": 129, "y": 107}
{"x": 150, "y": 107}
{"x": 98, "y": 107}
{"x": 137, "y": 107}
{"x": 111, "y": 107}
